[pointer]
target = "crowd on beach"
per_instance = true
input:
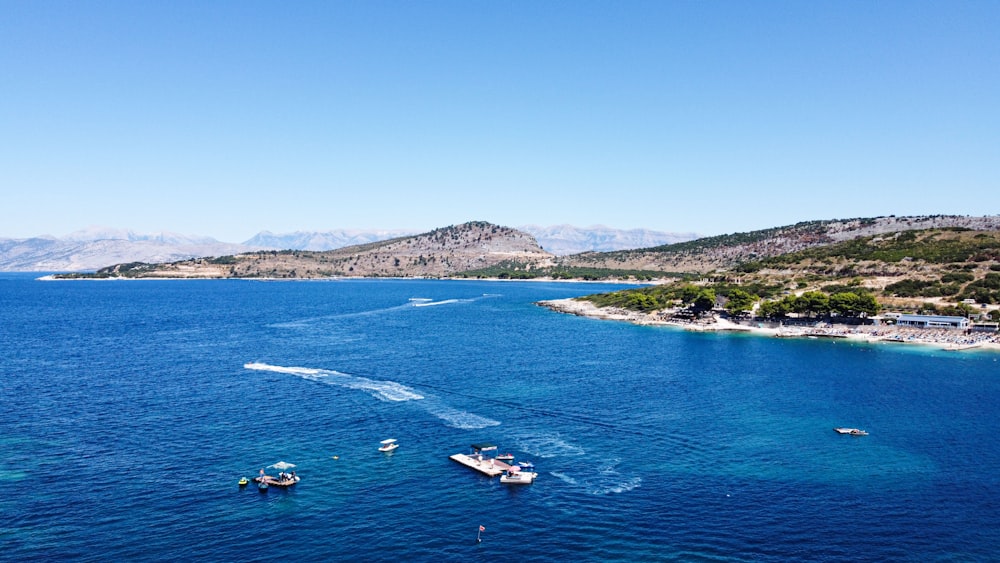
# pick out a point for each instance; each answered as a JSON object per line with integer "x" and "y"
{"x": 949, "y": 339}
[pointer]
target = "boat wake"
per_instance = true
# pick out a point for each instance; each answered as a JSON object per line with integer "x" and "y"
{"x": 605, "y": 480}
{"x": 455, "y": 418}
{"x": 547, "y": 446}
{"x": 390, "y": 391}
{"x": 422, "y": 303}
{"x": 381, "y": 390}
{"x": 306, "y": 322}
{"x": 412, "y": 302}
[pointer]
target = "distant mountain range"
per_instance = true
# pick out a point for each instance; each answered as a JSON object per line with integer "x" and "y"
{"x": 97, "y": 247}
{"x": 882, "y": 246}
{"x": 563, "y": 240}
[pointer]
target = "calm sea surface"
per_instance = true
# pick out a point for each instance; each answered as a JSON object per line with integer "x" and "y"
{"x": 128, "y": 412}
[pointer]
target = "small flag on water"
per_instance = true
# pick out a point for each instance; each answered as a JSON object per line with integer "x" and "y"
{"x": 482, "y": 528}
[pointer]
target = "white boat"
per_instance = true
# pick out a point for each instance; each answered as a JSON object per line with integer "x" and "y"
{"x": 388, "y": 445}
{"x": 514, "y": 476}
{"x": 851, "y": 431}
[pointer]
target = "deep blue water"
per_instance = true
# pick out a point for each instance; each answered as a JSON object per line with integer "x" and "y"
{"x": 128, "y": 415}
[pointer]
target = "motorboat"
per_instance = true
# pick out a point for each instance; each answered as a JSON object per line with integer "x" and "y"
{"x": 514, "y": 476}
{"x": 506, "y": 457}
{"x": 851, "y": 431}
{"x": 388, "y": 445}
{"x": 526, "y": 465}
{"x": 283, "y": 480}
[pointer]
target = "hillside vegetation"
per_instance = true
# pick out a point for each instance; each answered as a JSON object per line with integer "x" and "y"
{"x": 932, "y": 270}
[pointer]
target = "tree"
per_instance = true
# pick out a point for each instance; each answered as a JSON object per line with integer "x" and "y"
{"x": 868, "y": 306}
{"x": 705, "y": 300}
{"x": 642, "y": 302}
{"x": 813, "y": 303}
{"x": 845, "y": 303}
{"x": 688, "y": 293}
{"x": 739, "y": 302}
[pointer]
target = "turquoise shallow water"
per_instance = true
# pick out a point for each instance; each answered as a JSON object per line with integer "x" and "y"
{"x": 128, "y": 415}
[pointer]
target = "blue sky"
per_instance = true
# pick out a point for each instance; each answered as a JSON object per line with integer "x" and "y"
{"x": 227, "y": 118}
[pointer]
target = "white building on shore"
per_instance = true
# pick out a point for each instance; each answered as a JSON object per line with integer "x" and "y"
{"x": 932, "y": 321}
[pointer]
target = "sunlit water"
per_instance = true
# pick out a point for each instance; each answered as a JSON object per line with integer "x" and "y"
{"x": 130, "y": 409}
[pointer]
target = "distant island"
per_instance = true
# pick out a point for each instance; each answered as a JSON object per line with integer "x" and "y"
{"x": 97, "y": 247}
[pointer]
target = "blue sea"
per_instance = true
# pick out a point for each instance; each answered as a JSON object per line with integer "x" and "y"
{"x": 130, "y": 409}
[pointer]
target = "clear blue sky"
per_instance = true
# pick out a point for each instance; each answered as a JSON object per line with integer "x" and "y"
{"x": 227, "y": 118}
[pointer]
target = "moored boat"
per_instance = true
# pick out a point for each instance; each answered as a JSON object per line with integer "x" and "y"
{"x": 506, "y": 457}
{"x": 851, "y": 431}
{"x": 283, "y": 480}
{"x": 514, "y": 476}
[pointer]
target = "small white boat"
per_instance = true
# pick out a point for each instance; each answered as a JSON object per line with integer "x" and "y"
{"x": 388, "y": 445}
{"x": 514, "y": 476}
{"x": 506, "y": 457}
{"x": 851, "y": 431}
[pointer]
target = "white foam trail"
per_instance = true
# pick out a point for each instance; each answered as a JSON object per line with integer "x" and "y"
{"x": 604, "y": 478}
{"x": 607, "y": 480}
{"x": 432, "y": 303}
{"x": 546, "y": 446}
{"x": 381, "y": 390}
{"x": 563, "y": 477}
{"x": 463, "y": 420}
{"x": 302, "y": 323}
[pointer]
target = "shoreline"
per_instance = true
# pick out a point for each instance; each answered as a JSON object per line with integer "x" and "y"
{"x": 942, "y": 339}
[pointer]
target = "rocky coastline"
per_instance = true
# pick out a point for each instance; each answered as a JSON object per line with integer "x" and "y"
{"x": 951, "y": 340}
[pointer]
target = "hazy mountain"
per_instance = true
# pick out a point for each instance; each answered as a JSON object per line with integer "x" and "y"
{"x": 563, "y": 240}
{"x": 96, "y": 247}
{"x": 82, "y": 253}
{"x": 321, "y": 240}
{"x": 97, "y": 233}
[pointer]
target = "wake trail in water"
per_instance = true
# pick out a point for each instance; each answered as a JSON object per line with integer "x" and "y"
{"x": 411, "y": 303}
{"x": 303, "y": 323}
{"x": 564, "y": 414}
{"x": 389, "y": 391}
{"x": 381, "y": 390}
{"x": 602, "y": 476}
